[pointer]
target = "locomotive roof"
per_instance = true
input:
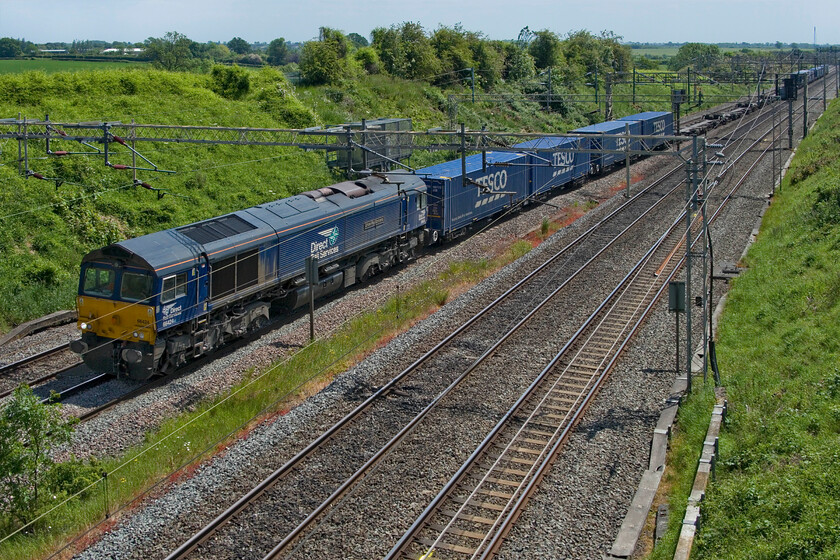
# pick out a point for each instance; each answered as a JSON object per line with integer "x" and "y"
{"x": 181, "y": 247}
{"x": 152, "y": 251}
{"x": 452, "y": 168}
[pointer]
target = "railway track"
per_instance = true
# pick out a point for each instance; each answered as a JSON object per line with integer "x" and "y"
{"x": 592, "y": 354}
{"x": 20, "y": 371}
{"x": 291, "y": 538}
{"x": 456, "y": 353}
{"x": 200, "y": 541}
{"x": 471, "y": 515}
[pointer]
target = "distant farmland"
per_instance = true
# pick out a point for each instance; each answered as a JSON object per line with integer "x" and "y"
{"x": 51, "y": 66}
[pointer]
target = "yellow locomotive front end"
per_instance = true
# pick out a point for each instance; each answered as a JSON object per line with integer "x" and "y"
{"x": 116, "y": 320}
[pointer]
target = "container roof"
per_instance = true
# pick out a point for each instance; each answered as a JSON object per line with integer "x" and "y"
{"x": 547, "y": 142}
{"x": 609, "y": 127}
{"x": 644, "y": 116}
{"x": 452, "y": 168}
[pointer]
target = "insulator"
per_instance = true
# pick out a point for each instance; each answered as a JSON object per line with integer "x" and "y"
{"x": 60, "y": 153}
{"x": 119, "y": 140}
{"x": 146, "y": 185}
{"x": 119, "y": 166}
{"x": 38, "y": 176}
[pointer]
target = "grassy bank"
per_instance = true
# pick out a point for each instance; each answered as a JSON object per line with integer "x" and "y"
{"x": 778, "y": 474}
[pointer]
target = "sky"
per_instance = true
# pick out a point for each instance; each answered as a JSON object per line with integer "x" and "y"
{"x": 708, "y": 21}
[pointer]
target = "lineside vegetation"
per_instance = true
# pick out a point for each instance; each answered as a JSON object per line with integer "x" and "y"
{"x": 778, "y": 473}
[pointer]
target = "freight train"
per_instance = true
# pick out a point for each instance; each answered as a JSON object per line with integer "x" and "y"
{"x": 800, "y": 78}
{"x": 150, "y": 304}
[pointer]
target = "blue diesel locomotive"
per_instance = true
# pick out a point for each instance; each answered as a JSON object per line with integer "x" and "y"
{"x": 148, "y": 305}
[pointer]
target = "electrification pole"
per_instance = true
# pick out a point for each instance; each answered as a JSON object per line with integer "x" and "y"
{"x": 805, "y": 110}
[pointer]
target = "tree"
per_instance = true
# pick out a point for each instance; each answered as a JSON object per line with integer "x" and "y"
{"x": 171, "y": 52}
{"x": 239, "y": 45}
{"x": 9, "y": 48}
{"x": 697, "y": 55}
{"x": 613, "y": 54}
{"x": 406, "y": 51}
{"x": 216, "y": 51}
{"x": 325, "y": 61}
{"x": 357, "y": 40}
{"x": 489, "y": 62}
{"x": 387, "y": 44}
{"x": 584, "y": 50}
{"x": 452, "y": 48}
{"x": 519, "y": 64}
{"x": 277, "y": 52}
{"x": 368, "y": 59}
{"x": 546, "y": 49}
{"x": 28, "y": 431}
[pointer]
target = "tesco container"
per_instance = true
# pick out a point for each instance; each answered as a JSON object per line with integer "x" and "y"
{"x": 490, "y": 185}
{"x": 555, "y": 162}
{"x": 599, "y": 161}
{"x": 654, "y": 123}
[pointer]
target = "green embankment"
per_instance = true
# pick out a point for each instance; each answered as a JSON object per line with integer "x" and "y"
{"x": 777, "y": 487}
{"x": 45, "y": 227}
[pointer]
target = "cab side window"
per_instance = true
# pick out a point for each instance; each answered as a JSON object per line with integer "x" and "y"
{"x": 174, "y": 287}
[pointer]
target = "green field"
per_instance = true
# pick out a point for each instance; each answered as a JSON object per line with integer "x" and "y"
{"x": 656, "y": 51}
{"x": 51, "y": 66}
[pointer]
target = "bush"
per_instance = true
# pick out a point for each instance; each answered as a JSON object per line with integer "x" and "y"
{"x": 230, "y": 82}
{"x": 368, "y": 59}
{"x": 28, "y": 431}
{"x": 320, "y": 63}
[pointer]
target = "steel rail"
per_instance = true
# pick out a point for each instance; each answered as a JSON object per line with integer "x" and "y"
{"x": 586, "y": 330}
{"x": 43, "y": 378}
{"x": 206, "y": 532}
{"x": 95, "y": 381}
{"x": 34, "y": 358}
{"x": 532, "y": 483}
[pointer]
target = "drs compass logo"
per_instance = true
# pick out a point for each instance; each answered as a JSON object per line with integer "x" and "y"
{"x": 327, "y": 247}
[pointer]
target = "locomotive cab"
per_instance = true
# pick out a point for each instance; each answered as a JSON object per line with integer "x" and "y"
{"x": 123, "y": 303}
{"x": 116, "y": 317}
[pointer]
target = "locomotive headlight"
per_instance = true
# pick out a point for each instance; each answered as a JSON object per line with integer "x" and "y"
{"x": 84, "y": 326}
{"x": 135, "y": 334}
